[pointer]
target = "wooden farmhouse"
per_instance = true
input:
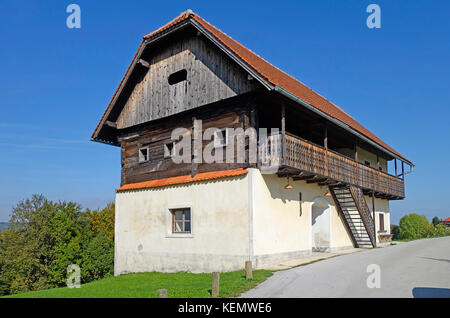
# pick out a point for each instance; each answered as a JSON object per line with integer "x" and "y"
{"x": 305, "y": 176}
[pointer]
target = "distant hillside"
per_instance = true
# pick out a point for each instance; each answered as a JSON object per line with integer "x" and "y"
{"x": 4, "y": 225}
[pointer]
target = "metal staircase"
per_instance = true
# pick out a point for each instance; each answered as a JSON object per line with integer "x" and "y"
{"x": 351, "y": 203}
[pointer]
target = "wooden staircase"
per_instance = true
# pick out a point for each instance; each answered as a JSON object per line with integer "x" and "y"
{"x": 351, "y": 203}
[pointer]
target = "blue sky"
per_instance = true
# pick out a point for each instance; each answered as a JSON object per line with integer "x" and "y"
{"x": 56, "y": 82}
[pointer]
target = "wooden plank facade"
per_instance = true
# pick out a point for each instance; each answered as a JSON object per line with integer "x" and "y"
{"x": 210, "y": 77}
{"x": 183, "y": 76}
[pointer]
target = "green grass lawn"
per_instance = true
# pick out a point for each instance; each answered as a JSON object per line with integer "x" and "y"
{"x": 145, "y": 285}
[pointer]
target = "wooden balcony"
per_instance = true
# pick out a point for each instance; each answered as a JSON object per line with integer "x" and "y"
{"x": 304, "y": 160}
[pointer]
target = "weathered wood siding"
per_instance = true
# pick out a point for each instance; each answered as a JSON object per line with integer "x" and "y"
{"x": 211, "y": 76}
{"x": 155, "y": 136}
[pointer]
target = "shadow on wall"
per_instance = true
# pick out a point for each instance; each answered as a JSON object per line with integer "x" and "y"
{"x": 430, "y": 292}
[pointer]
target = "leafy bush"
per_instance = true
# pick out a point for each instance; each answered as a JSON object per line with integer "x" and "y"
{"x": 441, "y": 230}
{"x": 414, "y": 226}
{"x": 98, "y": 262}
{"x": 394, "y": 231}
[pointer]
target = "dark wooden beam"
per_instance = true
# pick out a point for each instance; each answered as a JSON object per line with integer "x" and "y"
{"x": 317, "y": 179}
{"x": 330, "y": 183}
{"x": 144, "y": 63}
{"x": 111, "y": 124}
{"x": 303, "y": 176}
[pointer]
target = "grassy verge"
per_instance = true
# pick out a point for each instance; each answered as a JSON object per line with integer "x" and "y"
{"x": 145, "y": 285}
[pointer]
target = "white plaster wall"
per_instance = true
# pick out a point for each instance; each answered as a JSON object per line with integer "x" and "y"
{"x": 233, "y": 220}
{"x": 280, "y": 232}
{"x": 220, "y": 228}
{"x": 381, "y": 205}
{"x": 321, "y": 225}
{"x": 364, "y": 155}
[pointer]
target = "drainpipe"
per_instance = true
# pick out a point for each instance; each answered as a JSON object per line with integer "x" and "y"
{"x": 250, "y": 215}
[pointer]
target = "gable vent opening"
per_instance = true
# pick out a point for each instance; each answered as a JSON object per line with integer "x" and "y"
{"x": 177, "y": 77}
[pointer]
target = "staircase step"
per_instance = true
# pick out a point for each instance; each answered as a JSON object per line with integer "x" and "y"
{"x": 348, "y": 206}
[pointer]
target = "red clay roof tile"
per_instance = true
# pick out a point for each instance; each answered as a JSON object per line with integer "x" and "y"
{"x": 183, "y": 179}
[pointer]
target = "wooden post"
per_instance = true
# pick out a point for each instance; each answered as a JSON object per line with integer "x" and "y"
{"x": 248, "y": 270}
{"x": 403, "y": 170}
{"x": 356, "y": 165}
{"x": 194, "y": 153}
{"x": 325, "y": 144}
{"x": 283, "y": 133}
{"x": 215, "y": 284}
{"x": 253, "y": 126}
{"x": 162, "y": 293}
{"x": 395, "y": 164}
{"x": 374, "y": 219}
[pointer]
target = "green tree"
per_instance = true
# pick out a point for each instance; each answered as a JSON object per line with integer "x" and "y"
{"x": 45, "y": 237}
{"x": 98, "y": 261}
{"x": 414, "y": 226}
{"x": 394, "y": 231}
{"x": 26, "y": 251}
{"x": 435, "y": 221}
{"x": 103, "y": 221}
{"x": 67, "y": 229}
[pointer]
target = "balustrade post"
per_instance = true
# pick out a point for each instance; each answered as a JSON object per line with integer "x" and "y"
{"x": 283, "y": 134}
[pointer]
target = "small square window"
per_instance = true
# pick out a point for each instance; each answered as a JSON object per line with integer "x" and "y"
{"x": 169, "y": 150}
{"x": 220, "y": 138}
{"x": 143, "y": 154}
{"x": 181, "y": 220}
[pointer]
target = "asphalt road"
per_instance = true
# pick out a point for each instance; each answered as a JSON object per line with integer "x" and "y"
{"x": 414, "y": 269}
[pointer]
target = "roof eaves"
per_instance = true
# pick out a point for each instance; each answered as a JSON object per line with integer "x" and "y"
{"x": 179, "y": 180}
{"x": 339, "y": 123}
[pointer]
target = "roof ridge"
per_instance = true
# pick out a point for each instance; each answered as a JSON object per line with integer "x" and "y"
{"x": 182, "y": 16}
{"x": 280, "y": 70}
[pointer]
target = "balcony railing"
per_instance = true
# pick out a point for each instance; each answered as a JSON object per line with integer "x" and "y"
{"x": 308, "y": 157}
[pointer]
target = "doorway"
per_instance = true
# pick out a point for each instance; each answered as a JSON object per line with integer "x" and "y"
{"x": 321, "y": 225}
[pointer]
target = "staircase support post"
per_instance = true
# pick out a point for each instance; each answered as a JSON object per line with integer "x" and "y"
{"x": 374, "y": 219}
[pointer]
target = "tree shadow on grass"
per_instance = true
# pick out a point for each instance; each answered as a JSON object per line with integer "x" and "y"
{"x": 430, "y": 292}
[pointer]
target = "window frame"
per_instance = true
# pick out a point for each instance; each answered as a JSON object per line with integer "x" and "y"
{"x": 169, "y": 221}
{"x": 169, "y": 153}
{"x": 183, "y": 220}
{"x": 140, "y": 160}
{"x": 216, "y": 143}
{"x": 381, "y": 228}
